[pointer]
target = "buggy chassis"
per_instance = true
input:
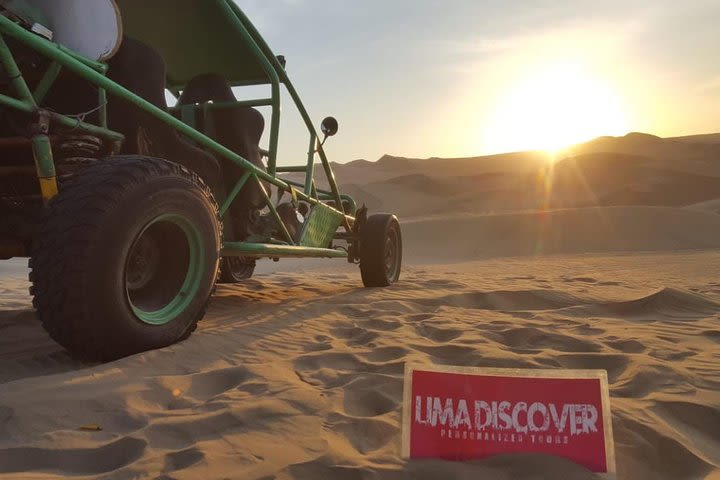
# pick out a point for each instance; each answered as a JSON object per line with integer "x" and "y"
{"x": 332, "y": 217}
{"x": 94, "y": 73}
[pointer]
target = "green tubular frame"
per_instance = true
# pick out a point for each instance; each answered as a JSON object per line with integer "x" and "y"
{"x": 48, "y": 79}
{"x": 263, "y": 250}
{"x": 94, "y": 72}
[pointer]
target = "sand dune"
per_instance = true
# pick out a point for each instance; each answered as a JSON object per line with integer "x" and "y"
{"x": 314, "y": 365}
{"x": 583, "y": 230}
{"x": 297, "y": 373}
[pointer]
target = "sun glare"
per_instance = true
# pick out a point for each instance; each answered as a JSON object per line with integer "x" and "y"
{"x": 554, "y": 106}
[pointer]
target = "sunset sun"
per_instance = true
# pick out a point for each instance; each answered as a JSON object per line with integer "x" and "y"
{"x": 552, "y": 106}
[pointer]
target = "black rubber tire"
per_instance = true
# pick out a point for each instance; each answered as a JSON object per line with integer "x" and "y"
{"x": 380, "y": 238}
{"x": 80, "y": 257}
{"x": 236, "y": 269}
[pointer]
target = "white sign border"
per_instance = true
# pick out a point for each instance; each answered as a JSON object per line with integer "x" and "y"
{"x": 517, "y": 373}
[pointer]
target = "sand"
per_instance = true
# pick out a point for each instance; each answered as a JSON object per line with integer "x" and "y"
{"x": 297, "y": 373}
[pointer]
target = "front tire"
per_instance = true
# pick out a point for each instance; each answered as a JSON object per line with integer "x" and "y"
{"x": 380, "y": 250}
{"x": 126, "y": 258}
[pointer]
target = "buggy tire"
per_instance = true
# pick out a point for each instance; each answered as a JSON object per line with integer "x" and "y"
{"x": 125, "y": 258}
{"x": 380, "y": 250}
{"x": 236, "y": 269}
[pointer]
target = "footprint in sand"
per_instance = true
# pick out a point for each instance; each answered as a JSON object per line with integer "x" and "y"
{"x": 366, "y": 435}
{"x": 183, "y": 459}
{"x": 386, "y": 354}
{"x": 382, "y": 324}
{"x": 335, "y": 369}
{"x": 372, "y": 395}
{"x": 176, "y": 433}
{"x": 447, "y": 354}
{"x": 354, "y": 335}
{"x": 713, "y": 335}
{"x": 664, "y": 456}
{"x": 179, "y": 392}
{"x": 322, "y": 342}
{"x": 615, "y": 364}
{"x": 73, "y": 461}
{"x": 536, "y": 338}
{"x": 356, "y": 312}
{"x": 589, "y": 280}
{"x": 643, "y": 380}
{"x": 698, "y": 423}
{"x": 437, "y": 334}
{"x": 442, "y": 283}
{"x": 206, "y": 385}
{"x": 672, "y": 355}
{"x": 627, "y": 346}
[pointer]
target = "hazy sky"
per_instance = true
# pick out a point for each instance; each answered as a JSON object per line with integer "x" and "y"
{"x": 447, "y": 78}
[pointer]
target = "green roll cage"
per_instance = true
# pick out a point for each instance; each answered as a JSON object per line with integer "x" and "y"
{"x": 257, "y": 66}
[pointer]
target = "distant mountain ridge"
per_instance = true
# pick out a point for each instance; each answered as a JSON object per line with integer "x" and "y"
{"x": 622, "y": 144}
{"x": 635, "y": 169}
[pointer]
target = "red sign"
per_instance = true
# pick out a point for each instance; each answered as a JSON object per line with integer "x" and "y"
{"x": 457, "y": 413}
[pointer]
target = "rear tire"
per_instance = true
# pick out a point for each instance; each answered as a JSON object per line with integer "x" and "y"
{"x": 236, "y": 269}
{"x": 126, "y": 258}
{"x": 380, "y": 250}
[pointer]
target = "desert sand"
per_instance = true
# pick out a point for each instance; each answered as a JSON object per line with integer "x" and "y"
{"x": 608, "y": 260}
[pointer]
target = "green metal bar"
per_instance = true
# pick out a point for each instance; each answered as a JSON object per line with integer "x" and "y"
{"x": 310, "y": 168}
{"x": 345, "y": 198}
{"x": 292, "y": 169}
{"x": 53, "y": 52}
{"x": 330, "y": 178}
{"x": 97, "y": 66}
{"x": 238, "y": 186}
{"x": 62, "y": 119}
{"x": 16, "y": 104}
{"x": 325, "y": 195}
{"x": 298, "y": 184}
{"x": 43, "y": 87}
{"x": 44, "y": 165}
{"x": 293, "y": 94}
{"x": 17, "y": 80}
{"x": 293, "y": 183}
{"x": 86, "y": 127}
{"x": 102, "y": 107}
{"x": 274, "y": 132}
{"x": 87, "y": 70}
{"x": 243, "y": 249}
{"x": 243, "y": 28}
{"x": 274, "y": 212}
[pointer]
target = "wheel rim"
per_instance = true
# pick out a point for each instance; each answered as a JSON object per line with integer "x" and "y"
{"x": 142, "y": 263}
{"x": 241, "y": 267}
{"x": 163, "y": 269}
{"x": 392, "y": 255}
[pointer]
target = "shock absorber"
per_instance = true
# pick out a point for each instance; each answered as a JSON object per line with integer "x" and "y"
{"x": 77, "y": 150}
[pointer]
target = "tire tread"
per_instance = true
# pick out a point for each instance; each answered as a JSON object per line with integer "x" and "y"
{"x": 67, "y": 230}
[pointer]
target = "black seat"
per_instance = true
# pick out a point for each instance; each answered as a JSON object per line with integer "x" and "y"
{"x": 237, "y": 128}
{"x": 140, "y": 69}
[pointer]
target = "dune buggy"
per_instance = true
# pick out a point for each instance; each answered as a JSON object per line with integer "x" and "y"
{"x": 129, "y": 210}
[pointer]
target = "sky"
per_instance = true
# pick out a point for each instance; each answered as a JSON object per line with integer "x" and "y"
{"x": 458, "y": 78}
